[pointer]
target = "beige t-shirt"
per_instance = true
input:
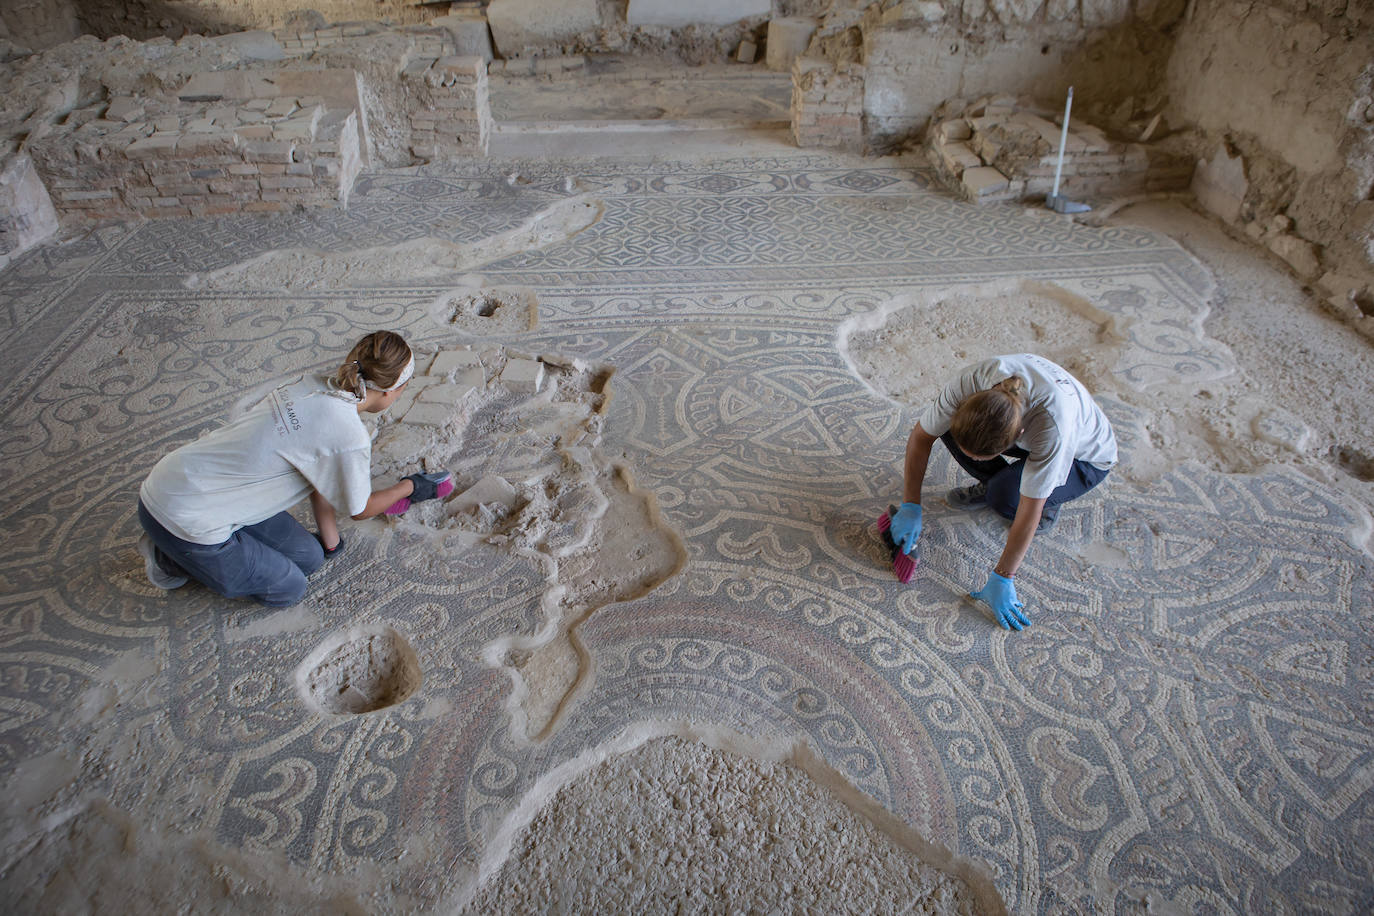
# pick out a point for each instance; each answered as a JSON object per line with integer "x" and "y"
{"x": 1062, "y": 421}
{"x": 301, "y": 437}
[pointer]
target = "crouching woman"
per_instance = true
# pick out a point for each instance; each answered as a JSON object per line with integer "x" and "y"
{"x": 215, "y": 510}
{"x": 1032, "y": 438}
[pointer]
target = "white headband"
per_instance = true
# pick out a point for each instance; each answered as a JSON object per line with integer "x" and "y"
{"x": 404, "y": 377}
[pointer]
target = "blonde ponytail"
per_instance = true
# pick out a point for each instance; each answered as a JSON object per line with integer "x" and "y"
{"x": 987, "y": 423}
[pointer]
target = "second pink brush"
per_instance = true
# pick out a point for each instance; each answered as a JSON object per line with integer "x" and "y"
{"x": 903, "y": 564}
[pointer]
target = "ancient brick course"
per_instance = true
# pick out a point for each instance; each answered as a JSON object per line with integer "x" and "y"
{"x": 827, "y": 104}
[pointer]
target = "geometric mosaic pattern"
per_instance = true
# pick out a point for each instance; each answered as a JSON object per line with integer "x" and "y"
{"x": 1188, "y": 724}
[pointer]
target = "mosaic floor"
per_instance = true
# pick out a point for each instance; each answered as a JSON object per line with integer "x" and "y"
{"x": 1188, "y": 726}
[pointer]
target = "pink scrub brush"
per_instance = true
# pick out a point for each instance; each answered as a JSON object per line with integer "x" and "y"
{"x": 903, "y": 564}
{"x": 436, "y": 485}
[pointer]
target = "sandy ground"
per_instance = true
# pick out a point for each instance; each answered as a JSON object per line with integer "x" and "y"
{"x": 1293, "y": 355}
{"x": 676, "y": 826}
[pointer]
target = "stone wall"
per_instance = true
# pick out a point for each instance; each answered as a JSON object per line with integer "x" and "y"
{"x": 144, "y": 19}
{"x": 918, "y": 54}
{"x": 38, "y": 23}
{"x": 1288, "y": 87}
{"x": 204, "y": 127}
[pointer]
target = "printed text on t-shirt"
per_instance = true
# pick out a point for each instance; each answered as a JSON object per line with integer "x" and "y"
{"x": 284, "y": 411}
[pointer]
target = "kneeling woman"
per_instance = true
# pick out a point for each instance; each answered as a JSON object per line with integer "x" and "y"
{"x": 214, "y": 510}
{"x": 1030, "y": 410}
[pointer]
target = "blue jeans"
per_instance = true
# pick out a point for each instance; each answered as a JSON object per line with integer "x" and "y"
{"x": 1004, "y": 478}
{"x": 267, "y": 562}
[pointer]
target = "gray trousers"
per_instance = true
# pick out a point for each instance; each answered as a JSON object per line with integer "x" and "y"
{"x": 267, "y": 562}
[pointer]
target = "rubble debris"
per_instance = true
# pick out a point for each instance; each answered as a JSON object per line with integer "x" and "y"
{"x": 1001, "y": 148}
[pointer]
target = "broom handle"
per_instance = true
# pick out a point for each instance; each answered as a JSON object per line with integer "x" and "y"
{"x": 1063, "y": 139}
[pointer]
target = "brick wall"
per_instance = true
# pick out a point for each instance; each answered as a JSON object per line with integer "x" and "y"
{"x": 828, "y": 104}
{"x": 449, "y": 107}
{"x": 261, "y": 155}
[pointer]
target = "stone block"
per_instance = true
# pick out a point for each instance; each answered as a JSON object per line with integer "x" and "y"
{"x": 280, "y": 108}
{"x": 468, "y": 69}
{"x": 446, "y": 361}
{"x": 519, "y": 24}
{"x": 748, "y": 52}
{"x": 227, "y": 84}
{"x": 523, "y": 376}
{"x": 124, "y": 109}
{"x": 470, "y": 35}
{"x": 468, "y": 383}
{"x": 675, "y": 13}
{"x": 153, "y": 147}
{"x": 1219, "y": 184}
{"x": 436, "y": 415}
{"x": 417, "y": 68}
{"x": 253, "y": 45}
{"x": 983, "y": 181}
{"x": 959, "y": 156}
{"x": 417, "y": 384}
{"x": 206, "y": 144}
{"x": 1300, "y": 254}
{"x": 287, "y": 182}
{"x": 956, "y": 129}
{"x": 266, "y": 151}
{"x": 489, "y": 491}
{"x": 788, "y": 38}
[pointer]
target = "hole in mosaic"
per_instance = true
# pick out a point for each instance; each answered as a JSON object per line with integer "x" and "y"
{"x": 1354, "y": 462}
{"x": 361, "y": 670}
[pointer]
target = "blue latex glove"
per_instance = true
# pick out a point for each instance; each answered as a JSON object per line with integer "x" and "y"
{"x": 1000, "y": 594}
{"x": 906, "y": 527}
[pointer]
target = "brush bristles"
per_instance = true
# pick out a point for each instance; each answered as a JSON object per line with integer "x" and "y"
{"x": 904, "y": 566}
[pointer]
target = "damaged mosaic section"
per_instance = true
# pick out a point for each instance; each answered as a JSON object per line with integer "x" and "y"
{"x": 1172, "y": 392}
{"x": 520, "y": 434}
{"x": 673, "y": 824}
{"x": 420, "y": 259}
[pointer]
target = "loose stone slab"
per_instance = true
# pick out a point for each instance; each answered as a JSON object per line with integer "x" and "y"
{"x": 788, "y": 38}
{"x": 447, "y": 361}
{"x": 454, "y": 393}
{"x": 984, "y": 180}
{"x": 490, "y": 490}
{"x": 1220, "y": 184}
{"x": 519, "y": 24}
{"x": 429, "y": 415}
{"x": 523, "y": 376}
{"x": 674, "y": 13}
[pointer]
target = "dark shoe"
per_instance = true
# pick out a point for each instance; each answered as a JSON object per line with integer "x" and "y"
{"x": 329, "y": 553}
{"x": 973, "y": 497}
{"x": 158, "y": 576}
{"x": 1049, "y": 517}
